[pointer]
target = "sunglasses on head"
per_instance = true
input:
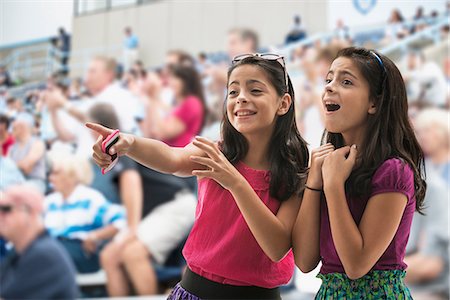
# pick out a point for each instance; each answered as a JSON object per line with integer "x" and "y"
{"x": 266, "y": 56}
{"x": 6, "y": 208}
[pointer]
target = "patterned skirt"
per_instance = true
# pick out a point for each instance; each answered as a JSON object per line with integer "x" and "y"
{"x": 179, "y": 293}
{"x": 386, "y": 285}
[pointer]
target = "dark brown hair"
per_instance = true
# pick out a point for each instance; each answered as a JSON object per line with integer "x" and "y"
{"x": 288, "y": 152}
{"x": 192, "y": 85}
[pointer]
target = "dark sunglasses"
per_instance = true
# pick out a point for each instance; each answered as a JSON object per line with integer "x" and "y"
{"x": 6, "y": 208}
{"x": 266, "y": 56}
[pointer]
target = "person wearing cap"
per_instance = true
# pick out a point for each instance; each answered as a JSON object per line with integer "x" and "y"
{"x": 38, "y": 267}
{"x": 28, "y": 151}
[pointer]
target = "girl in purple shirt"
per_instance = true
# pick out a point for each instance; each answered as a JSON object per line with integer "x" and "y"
{"x": 364, "y": 183}
{"x": 249, "y": 184}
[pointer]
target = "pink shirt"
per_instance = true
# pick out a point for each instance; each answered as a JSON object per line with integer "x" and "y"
{"x": 221, "y": 246}
{"x": 190, "y": 112}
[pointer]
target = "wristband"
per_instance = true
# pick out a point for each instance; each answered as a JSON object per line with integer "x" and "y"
{"x": 313, "y": 189}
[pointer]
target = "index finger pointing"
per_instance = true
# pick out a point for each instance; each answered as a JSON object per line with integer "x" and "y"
{"x": 99, "y": 129}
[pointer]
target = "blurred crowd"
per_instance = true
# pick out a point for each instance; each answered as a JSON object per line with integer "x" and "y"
{"x": 132, "y": 221}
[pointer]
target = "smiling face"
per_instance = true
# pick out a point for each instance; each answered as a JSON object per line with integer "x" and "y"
{"x": 346, "y": 98}
{"x": 253, "y": 104}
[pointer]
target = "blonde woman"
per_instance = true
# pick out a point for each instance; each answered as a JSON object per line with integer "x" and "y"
{"x": 78, "y": 216}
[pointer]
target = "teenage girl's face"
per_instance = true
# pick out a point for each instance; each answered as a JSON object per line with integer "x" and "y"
{"x": 346, "y": 98}
{"x": 253, "y": 104}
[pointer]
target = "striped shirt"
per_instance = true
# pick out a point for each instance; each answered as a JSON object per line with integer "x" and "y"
{"x": 83, "y": 211}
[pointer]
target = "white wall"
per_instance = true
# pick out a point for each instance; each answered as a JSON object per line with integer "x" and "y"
{"x": 192, "y": 25}
{"x": 25, "y": 20}
{"x": 346, "y": 10}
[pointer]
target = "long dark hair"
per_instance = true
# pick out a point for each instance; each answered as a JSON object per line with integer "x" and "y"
{"x": 192, "y": 85}
{"x": 288, "y": 152}
{"x": 389, "y": 132}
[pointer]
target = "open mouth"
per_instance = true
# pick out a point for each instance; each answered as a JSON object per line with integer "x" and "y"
{"x": 332, "y": 106}
{"x": 244, "y": 113}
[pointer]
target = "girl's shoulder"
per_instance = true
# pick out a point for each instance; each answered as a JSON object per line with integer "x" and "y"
{"x": 394, "y": 175}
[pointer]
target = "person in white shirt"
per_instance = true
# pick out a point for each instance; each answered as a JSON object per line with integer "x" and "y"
{"x": 425, "y": 81}
{"x": 100, "y": 82}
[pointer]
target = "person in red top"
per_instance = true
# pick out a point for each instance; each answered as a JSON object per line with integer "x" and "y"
{"x": 6, "y": 139}
{"x": 177, "y": 126}
{"x": 249, "y": 184}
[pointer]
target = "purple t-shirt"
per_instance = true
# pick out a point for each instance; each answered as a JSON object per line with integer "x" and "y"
{"x": 191, "y": 113}
{"x": 392, "y": 176}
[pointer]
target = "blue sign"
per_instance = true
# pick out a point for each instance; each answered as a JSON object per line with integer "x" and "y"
{"x": 364, "y": 6}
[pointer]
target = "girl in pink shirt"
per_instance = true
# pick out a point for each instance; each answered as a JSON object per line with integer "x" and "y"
{"x": 249, "y": 185}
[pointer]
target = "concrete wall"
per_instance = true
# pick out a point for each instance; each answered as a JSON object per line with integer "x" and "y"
{"x": 197, "y": 25}
{"x": 23, "y": 21}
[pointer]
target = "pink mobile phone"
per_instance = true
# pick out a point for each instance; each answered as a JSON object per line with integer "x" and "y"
{"x": 106, "y": 145}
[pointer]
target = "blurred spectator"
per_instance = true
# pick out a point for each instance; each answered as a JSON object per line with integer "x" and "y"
{"x": 63, "y": 43}
{"x": 419, "y": 19}
{"x": 297, "y": 32}
{"x": 100, "y": 81}
{"x": 28, "y": 151}
{"x": 141, "y": 190}
{"x": 447, "y": 79}
{"x": 342, "y": 32}
{"x": 445, "y": 32}
{"x": 3, "y": 97}
{"x": 75, "y": 91}
{"x": 419, "y": 14}
{"x": 427, "y": 254}
{"x": 10, "y": 174}
{"x": 203, "y": 63}
{"x": 425, "y": 81}
{"x": 241, "y": 41}
{"x": 427, "y": 251}
{"x": 181, "y": 124}
{"x": 6, "y": 139}
{"x": 130, "y": 50}
{"x": 13, "y": 107}
{"x": 178, "y": 57}
{"x": 39, "y": 268}
{"x": 80, "y": 217}
{"x": 433, "y": 132}
{"x": 215, "y": 94}
{"x": 168, "y": 214}
{"x": 395, "y": 28}
{"x": 310, "y": 112}
{"x": 173, "y": 57}
{"x": 139, "y": 68}
{"x": 5, "y": 80}
{"x": 123, "y": 184}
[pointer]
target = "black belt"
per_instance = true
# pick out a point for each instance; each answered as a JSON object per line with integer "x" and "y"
{"x": 207, "y": 289}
